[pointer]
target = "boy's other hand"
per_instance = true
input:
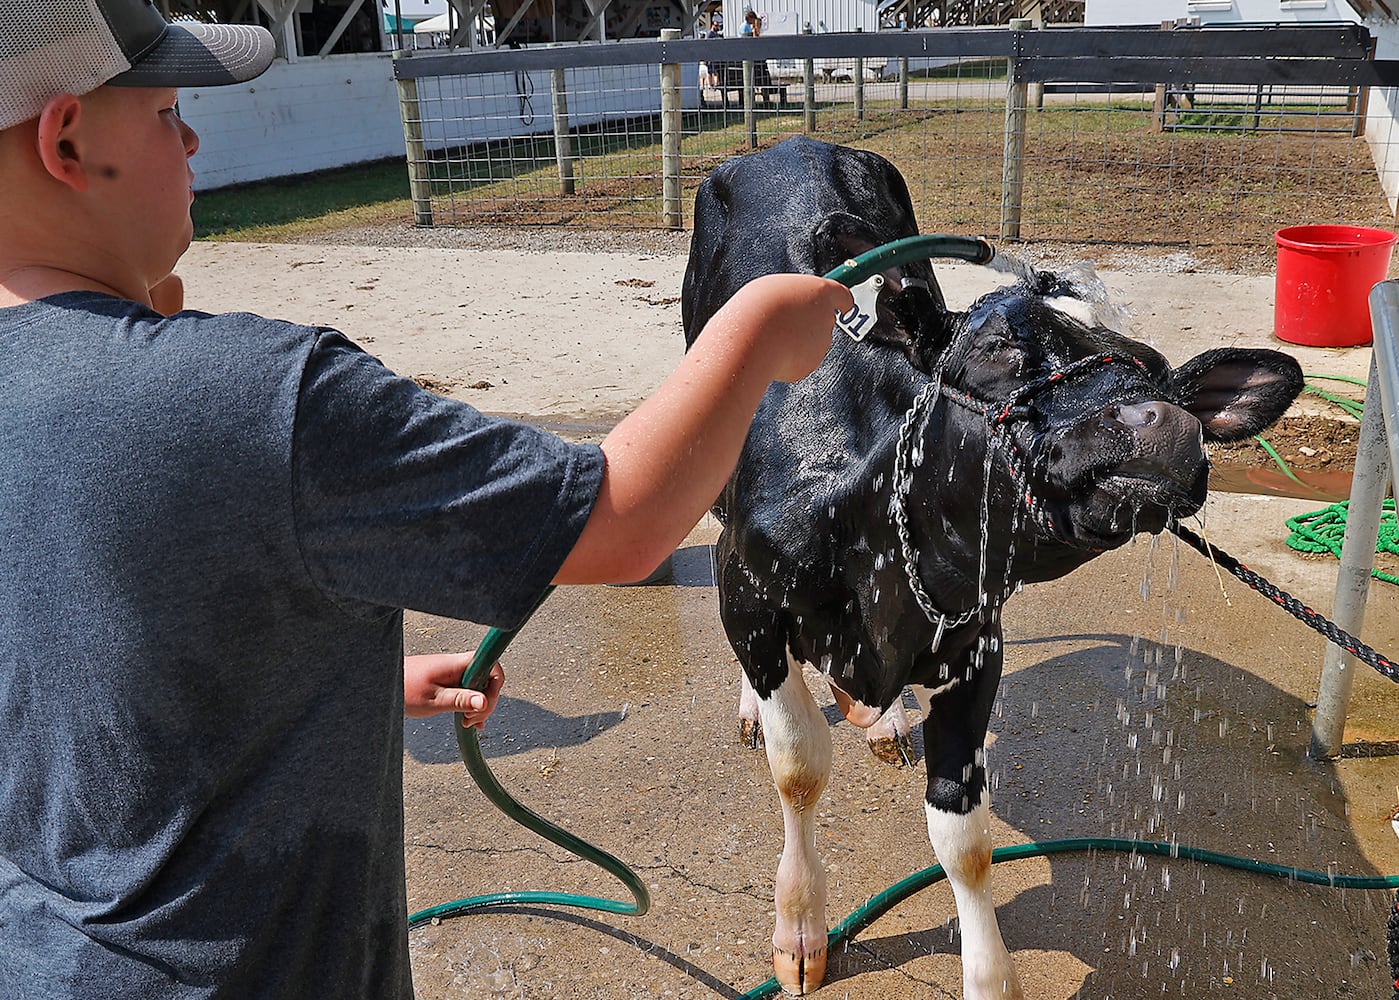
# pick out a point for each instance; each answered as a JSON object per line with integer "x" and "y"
{"x": 432, "y": 685}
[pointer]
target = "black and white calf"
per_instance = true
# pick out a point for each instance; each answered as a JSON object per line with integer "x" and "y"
{"x": 885, "y": 506}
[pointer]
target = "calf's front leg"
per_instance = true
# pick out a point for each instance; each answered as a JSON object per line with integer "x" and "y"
{"x": 959, "y": 825}
{"x": 963, "y": 847}
{"x": 798, "y": 743}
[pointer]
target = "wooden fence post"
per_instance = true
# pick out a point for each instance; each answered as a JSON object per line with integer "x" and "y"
{"x": 1013, "y": 158}
{"x": 563, "y": 137}
{"x": 859, "y": 89}
{"x": 1159, "y": 107}
{"x": 809, "y": 95}
{"x": 1358, "y": 102}
{"x": 859, "y": 86}
{"x": 750, "y": 118}
{"x": 670, "y": 138}
{"x": 419, "y": 179}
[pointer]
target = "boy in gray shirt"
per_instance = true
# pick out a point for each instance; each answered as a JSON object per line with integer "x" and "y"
{"x": 209, "y": 527}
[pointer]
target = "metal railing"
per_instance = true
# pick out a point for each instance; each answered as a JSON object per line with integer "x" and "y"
{"x": 1377, "y": 455}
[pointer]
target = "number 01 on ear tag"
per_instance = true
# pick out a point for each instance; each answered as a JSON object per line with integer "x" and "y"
{"x": 856, "y": 323}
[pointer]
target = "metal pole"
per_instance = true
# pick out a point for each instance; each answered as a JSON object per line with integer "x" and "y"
{"x": 1369, "y": 484}
{"x": 419, "y": 180}
{"x": 1384, "y": 300}
{"x": 670, "y": 138}
{"x": 1373, "y": 470}
{"x": 1013, "y": 158}
{"x": 750, "y": 119}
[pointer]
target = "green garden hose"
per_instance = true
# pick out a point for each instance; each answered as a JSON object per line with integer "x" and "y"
{"x": 909, "y": 249}
{"x": 468, "y": 743}
{"x": 850, "y": 273}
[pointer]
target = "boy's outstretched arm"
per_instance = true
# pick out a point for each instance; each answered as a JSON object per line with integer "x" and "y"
{"x": 668, "y": 460}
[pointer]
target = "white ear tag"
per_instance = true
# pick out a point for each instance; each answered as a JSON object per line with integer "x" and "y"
{"x": 856, "y": 323}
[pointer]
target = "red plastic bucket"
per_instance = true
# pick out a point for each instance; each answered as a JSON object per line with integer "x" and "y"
{"x": 1325, "y": 274}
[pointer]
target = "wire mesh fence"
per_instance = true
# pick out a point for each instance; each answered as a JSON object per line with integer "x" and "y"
{"x": 1209, "y": 167}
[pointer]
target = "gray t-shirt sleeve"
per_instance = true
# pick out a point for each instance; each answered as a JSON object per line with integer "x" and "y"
{"x": 408, "y": 499}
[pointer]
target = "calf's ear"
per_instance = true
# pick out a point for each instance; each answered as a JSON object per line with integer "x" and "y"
{"x": 922, "y": 322}
{"x": 838, "y": 237}
{"x": 1236, "y": 392}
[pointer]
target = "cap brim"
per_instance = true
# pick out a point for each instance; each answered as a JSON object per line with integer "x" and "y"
{"x": 193, "y": 54}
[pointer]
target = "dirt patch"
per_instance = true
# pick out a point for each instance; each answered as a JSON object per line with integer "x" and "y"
{"x": 436, "y": 383}
{"x": 1307, "y": 443}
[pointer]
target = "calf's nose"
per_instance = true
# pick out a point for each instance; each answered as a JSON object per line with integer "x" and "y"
{"x": 1134, "y": 416}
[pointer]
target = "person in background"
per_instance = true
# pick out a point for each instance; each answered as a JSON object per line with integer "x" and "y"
{"x": 210, "y": 526}
{"x": 752, "y": 24}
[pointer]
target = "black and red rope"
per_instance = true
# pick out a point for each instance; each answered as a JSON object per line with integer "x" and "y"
{"x": 1291, "y": 605}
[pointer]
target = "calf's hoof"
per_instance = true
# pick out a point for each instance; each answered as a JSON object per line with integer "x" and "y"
{"x": 896, "y": 750}
{"x": 799, "y": 975}
{"x": 750, "y": 733}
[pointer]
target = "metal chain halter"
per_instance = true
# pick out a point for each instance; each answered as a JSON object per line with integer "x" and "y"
{"x": 998, "y": 416}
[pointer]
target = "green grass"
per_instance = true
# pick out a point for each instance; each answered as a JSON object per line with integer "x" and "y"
{"x": 271, "y": 211}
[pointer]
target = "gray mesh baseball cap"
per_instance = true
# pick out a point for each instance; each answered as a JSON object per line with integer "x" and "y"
{"x": 50, "y": 47}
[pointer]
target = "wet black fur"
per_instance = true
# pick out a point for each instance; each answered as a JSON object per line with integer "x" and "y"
{"x": 809, "y": 557}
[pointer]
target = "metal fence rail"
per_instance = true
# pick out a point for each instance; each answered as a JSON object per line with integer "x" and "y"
{"x": 620, "y": 134}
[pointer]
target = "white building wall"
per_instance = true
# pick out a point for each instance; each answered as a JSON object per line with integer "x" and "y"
{"x": 1106, "y": 13}
{"x": 792, "y": 16}
{"x": 458, "y": 111}
{"x": 313, "y": 114}
{"x": 1382, "y": 113}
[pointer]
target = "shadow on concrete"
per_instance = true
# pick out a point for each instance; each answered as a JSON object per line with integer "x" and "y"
{"x": 433, "y": 741}
{"x": 1125, "y": 738}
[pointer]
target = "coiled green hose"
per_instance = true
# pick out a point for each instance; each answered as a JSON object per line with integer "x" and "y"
{"x": 468, "y": 743}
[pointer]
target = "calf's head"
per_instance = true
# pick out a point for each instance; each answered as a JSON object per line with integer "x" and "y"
{"x": 1100, "y": 437}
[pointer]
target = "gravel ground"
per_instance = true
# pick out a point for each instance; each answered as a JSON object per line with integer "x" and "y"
{"x": 659, "y": 242}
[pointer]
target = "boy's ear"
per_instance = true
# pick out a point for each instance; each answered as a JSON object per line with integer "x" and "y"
{"x": 57, "y": 141}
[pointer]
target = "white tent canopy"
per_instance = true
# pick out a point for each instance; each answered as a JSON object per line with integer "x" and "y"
{"x": 442, "y": 22}
{"x": 445, "y": 23}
